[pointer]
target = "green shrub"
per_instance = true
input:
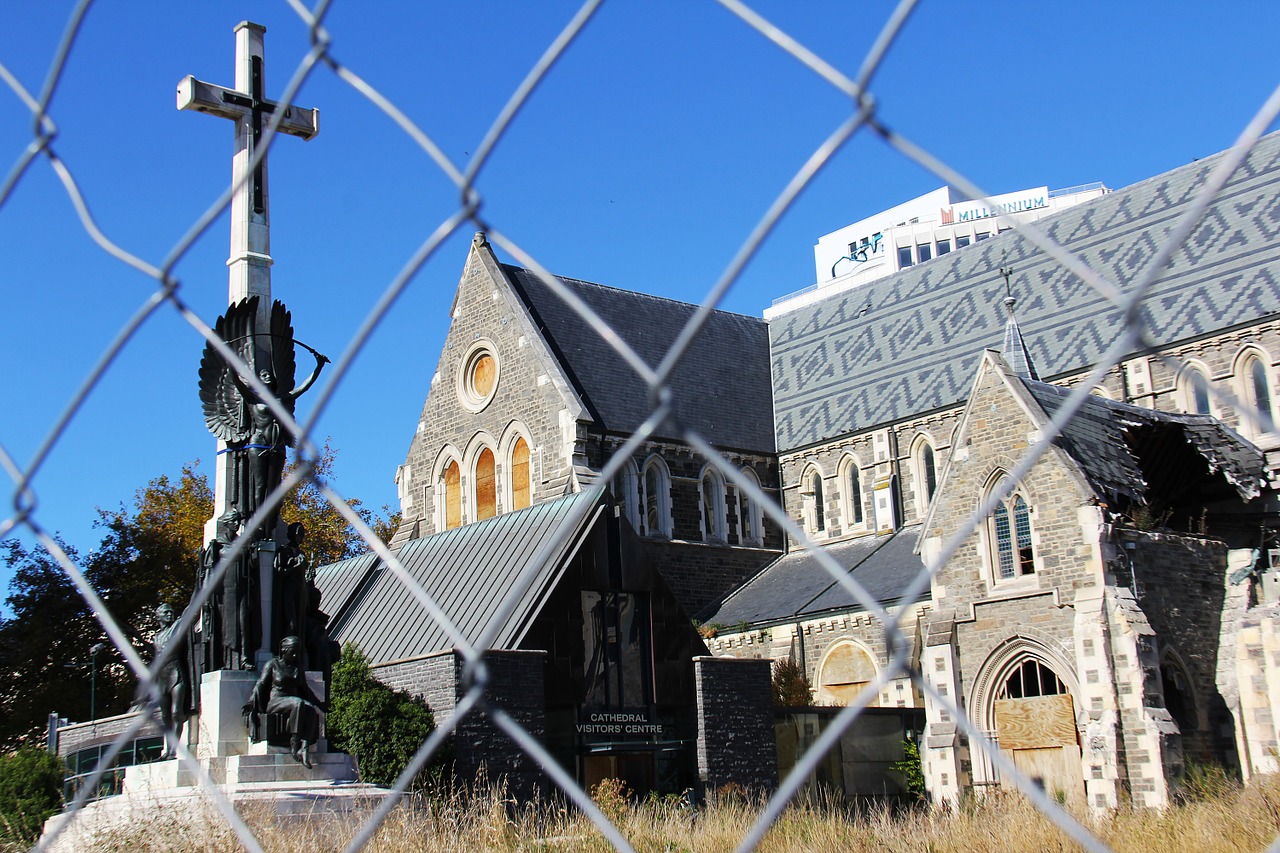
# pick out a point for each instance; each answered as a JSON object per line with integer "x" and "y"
{"x": 911, "y": 769}
{"x": 380, "y": 727}
{"x": 30, "y": 791}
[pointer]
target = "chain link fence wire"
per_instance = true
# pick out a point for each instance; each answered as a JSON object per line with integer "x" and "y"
{"x": 862, "y": 119}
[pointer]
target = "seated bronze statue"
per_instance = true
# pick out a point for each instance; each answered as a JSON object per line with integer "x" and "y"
{"x": 282, "y": 690}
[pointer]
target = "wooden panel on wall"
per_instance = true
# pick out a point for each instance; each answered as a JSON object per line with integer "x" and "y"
{"x": 1035, "y": 722}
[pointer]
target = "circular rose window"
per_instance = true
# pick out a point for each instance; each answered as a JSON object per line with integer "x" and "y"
{"x": 478, "y": 378}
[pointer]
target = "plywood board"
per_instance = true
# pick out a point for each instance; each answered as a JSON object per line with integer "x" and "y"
{"x": 1040, "y": 721}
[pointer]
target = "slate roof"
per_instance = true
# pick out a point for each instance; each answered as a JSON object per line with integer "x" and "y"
{"x": 796, "y": 585}
{"x": 1096, "y": 439}
{"x": 909, "y": 343}
{"x": 468, "y": 571}
{"x": 721, "y": 386}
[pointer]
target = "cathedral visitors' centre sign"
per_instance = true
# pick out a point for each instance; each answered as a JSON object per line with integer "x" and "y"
{"x": 1019, "y": 202}
{"x": 611, "y": 724}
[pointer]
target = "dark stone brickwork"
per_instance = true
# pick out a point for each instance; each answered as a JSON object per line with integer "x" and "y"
{"x": 1180, "y": 581}
{"x": 515, "y": 686}
{"x": 736, "y": 741}
{"x": 699, "y": 574}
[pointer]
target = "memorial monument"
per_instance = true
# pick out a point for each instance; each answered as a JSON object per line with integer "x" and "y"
{"x": 253, "y": 574}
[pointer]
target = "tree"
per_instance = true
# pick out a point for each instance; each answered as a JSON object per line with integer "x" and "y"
{"x": 790, "y": 685}
{"x": 149, "y": 554}
{"x": 380, "y": 727}
{"x": 30, "y": 791}
{"x": 329, "y": 537}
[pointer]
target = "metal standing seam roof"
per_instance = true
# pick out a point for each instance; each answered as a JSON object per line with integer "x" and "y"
{"x": 796, "y": 585}
{"x": 721, "y": 386}
{"x": 909, "y": 343}
{"x": 468, "y": 572}
{"x": 1095, "y": 439}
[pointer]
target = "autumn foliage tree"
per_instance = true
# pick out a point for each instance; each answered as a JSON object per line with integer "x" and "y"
{"x": 149, "y": 553}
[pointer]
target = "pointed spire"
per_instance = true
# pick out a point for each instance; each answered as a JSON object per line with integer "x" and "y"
{"x": 1015, "y": 349}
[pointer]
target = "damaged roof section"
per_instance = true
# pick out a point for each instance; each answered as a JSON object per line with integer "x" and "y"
{"x": 1132, "y": 452}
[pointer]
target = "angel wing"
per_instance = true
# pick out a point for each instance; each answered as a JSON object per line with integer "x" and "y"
{"x": 283, "y": 360}
{"x": 225, "y": 411}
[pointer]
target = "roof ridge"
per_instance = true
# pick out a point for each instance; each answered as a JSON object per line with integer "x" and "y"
{"x": 694, "y": 305}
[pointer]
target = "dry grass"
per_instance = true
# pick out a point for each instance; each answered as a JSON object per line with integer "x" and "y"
{"x": 1232, "y": 819}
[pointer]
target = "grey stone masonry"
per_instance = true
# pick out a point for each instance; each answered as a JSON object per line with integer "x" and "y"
{"x": 736, "y": 742}
{"x": 479, "y": 746}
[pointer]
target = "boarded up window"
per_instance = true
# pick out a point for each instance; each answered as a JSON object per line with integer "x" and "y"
{"x": 452, "y": 496}
{"x": 520, "y": 474}
{"x": 486, "y": 486}
{"x": 1035, "y": 722}
{"x": 483, "y": 372}
{"x": 846, "y": 670}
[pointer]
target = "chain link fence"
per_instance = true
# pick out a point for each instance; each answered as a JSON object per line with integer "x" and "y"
{"x": 861, "y": 120}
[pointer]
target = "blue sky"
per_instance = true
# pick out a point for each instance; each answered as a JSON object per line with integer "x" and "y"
{"x": 643, "y": 162}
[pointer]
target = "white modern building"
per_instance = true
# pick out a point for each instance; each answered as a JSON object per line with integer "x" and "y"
{"x": 917, "y": 231}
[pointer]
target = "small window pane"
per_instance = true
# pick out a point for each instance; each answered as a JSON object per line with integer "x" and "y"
{"x": 981, "y": 235}
{"x": 961, "y": 242}
{"x": 929, "y": 471}
{"x": 944, "y": 247}
{"x": 819, "y": 510}
{"x": 1004, "y": 542}
{"x": 1022, "y": 528}
{"x": 904, "y": 256}
{"x": 1261, "y": 394}
{"x": 855, "y": 494}
{"x": 924, "y": 252}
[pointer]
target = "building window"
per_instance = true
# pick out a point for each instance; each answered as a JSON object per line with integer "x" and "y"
{"x": 478, "y": 376}
{"x": 961, "y": 242}
{"x": 944, "y": 247}
{"x": 851, "y": 479}
{"x": 1011, "y": 533}
{"x": 1260, "y": 395}
{"x": 817, "y": 502}
{"x": 626, "y": 492}
{"x": 520, "y": 483}
{"x": 1029, "y": 679}
{"x": 486, "y": 486}
{"x": 711, "y": 505}
{"x": 845, "y": 671}
{"x": 452, "y": 486}
{"x": 1195, "y": 392}
{"x": 926, "y": 474}
{"x": 904, "y": 257}
{"x": 981, "y": 235}
{"x": 750, "y": 521}
{"x": 923, "y": 252}
{"x": 657, "y": 498}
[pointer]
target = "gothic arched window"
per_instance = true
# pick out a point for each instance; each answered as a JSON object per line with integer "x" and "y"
{"x": 452, "y": 484}
{"x": 520, "y": 483}
{"x": 1013, "y": 554}
{"x": 486, "y": 485}
{"x": 711, "y": 505}
{"x": 657, "y": 498}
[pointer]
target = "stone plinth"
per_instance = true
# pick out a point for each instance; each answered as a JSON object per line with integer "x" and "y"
{"x": 222, "y": 697}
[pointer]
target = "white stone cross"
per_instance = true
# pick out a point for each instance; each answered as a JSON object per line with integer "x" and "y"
{"x": 250, "y": 261}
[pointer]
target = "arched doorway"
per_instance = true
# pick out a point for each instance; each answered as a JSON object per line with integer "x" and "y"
{"x": 1035, "y": 725}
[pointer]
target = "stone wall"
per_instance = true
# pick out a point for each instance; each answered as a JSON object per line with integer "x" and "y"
{"x": 736, "y": 740}
{"x": 1180, "y": 583}
{"x": 479, "y": 746}
{"x": 699, "y": 574}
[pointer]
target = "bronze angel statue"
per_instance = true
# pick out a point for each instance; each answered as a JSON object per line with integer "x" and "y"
{"x": 236, "y": 414}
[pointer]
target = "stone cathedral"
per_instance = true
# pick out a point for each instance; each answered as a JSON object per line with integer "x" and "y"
{"x": 1113, "y": 618}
